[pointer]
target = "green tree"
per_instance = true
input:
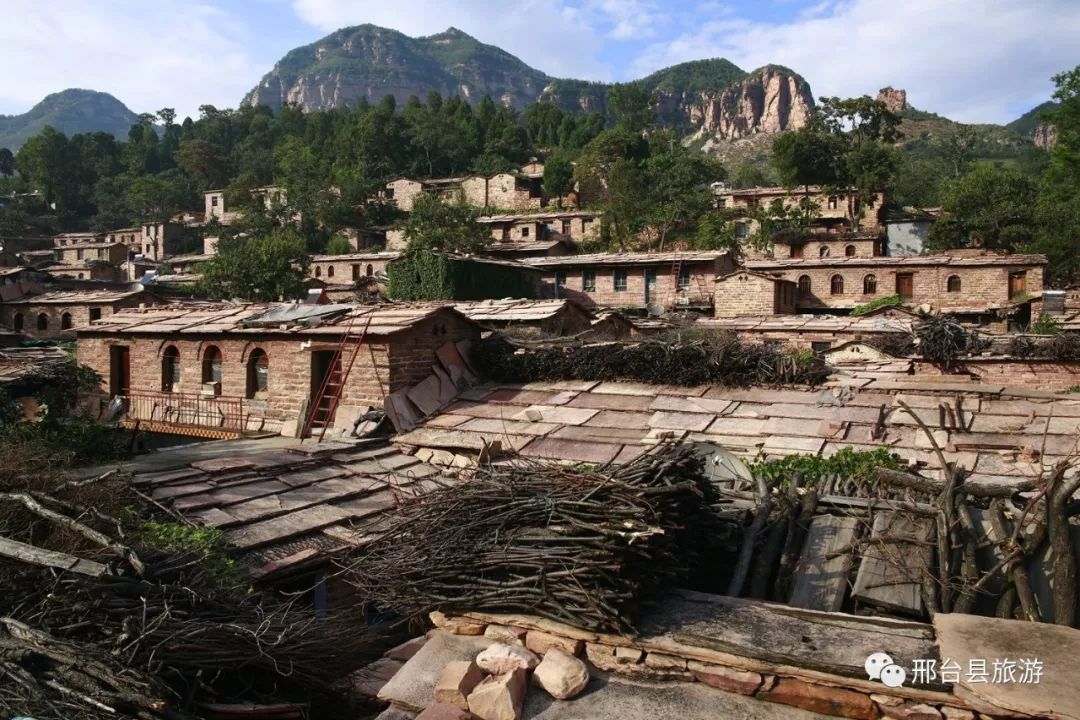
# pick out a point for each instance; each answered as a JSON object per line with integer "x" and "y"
{"x": 995, "y": 205}
{"x": 558, "y": 174}
{"x": 1058, "y": 208}
{"x": 264, "y": 267}
{"x": 677, "y": 184}
{"x": 338, "y": 245}
{"x": 445, "y": 227}
{"x": 7, "y": 162}
{"x": 204, "y": 161}
{"x": 631, "y": 106}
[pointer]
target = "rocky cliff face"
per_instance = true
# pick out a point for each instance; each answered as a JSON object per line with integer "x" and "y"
{"x": 895, "y": 100}
{"x": 712, "y": 98}
{"x": 1044, "y": 135}
{"x": 769, "y": 100}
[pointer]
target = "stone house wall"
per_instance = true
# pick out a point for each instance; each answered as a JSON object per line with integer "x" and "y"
{"x": 474, "y": 190}
{"x": 698, "y": 292}
{"x": 981, "y": 286}
{"x": 576, "y": 228}
{"x": 343, "y": 269}
{"x": 404, "y": 192}
{"x": 745, "y": 294}
{"x": 832, "y": 206}
{"x": 116, "y": 253}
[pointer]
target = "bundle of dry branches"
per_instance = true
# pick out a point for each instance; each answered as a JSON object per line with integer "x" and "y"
{"x": 581, "y": 545}
{"x": 98, "y": 627}
{"x": 675, "y": 359}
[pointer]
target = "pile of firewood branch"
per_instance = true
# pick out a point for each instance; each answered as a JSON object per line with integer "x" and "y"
{"x": 679, "y": 358}
{"x": 93, "y": 624}
{"x": 577, "y": 544}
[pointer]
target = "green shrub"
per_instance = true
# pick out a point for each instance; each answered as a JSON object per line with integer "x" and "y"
{"x": 847, "y": 464}
{"x": 888, "y": 301}
{"x": 1046, "y": 325}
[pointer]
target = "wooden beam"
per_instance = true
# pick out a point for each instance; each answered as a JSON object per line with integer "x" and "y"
{"x": 22, "y": 552}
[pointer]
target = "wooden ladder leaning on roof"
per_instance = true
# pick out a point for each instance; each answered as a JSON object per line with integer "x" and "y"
{"x": 322, "y": 410}
{"x": 676, "y": 270}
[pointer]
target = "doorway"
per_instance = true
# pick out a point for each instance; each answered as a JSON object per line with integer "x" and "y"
{"x": 119, "y": 370}
{"x": 325, "y": 369}
{"x": 650, "y": 285}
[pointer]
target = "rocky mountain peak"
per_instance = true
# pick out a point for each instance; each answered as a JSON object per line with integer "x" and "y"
{"x": 895, "y": 100}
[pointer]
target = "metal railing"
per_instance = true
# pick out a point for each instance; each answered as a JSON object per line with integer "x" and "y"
{"x": 184, "y": 410}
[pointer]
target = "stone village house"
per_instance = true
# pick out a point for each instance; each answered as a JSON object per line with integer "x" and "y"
{"x": 576, "y": 225}
{"x": 837, "y": 210}
{"x": 221, "y": 369}
{"x": 635, "y": 280}
{"x": 55, "y": 312}
{"x": 956, "y": 283}
{"x": 348, "y": 268}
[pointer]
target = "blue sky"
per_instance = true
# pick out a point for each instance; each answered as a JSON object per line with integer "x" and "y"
{"x": 971, "y": 60}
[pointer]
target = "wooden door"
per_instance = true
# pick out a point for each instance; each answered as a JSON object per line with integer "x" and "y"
{"x": 1017, "y": 284}
{"x": 119, "y": 370}
{"x": 905, "y": 285}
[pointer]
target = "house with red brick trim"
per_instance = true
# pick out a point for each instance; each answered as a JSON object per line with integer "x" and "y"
{"x": 220, "y": 370}
{"x": 957, "y": 283}
{"x": 56, "y": 312}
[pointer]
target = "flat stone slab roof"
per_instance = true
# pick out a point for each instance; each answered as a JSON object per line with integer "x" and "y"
{"x": 995, "y": 433}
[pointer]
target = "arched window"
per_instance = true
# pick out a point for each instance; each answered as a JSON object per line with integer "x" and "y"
{"x": 42, "y": 321}
{"x": 211, "y": 367}
{"x": 370, "y": 270}
{"x": 318, "y": 271}
{"x": 17, "y": 321}
{"x": 836, "y": 285}
{"x": 869, "y": 285}
{"x": 329, "y": 271}
{"x": 953, "y": 283}
{"x": 258, "y": 370}
{"x": 804, "y": 284}
{"x": 823, "y": 251}
{"x": 849, "y": 251}
{"x": 170, "y": 370}
{"x": 65, "y": 321}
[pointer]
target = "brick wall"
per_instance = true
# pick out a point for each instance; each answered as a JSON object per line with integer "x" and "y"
{"x": 54, "y": 315}
{"x": 345, "y": 270}
{"x": 412, "y": 353}
{"x": 980, "y": 286}
{"x": 288, "y": 378}
{"x": 743, "y": 293}
{"x": 1050, "y": 375}
{"x": 382, "y": 366}
{"x": 830, "y": 246}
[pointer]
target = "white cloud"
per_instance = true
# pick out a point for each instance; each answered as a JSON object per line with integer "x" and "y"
{"x": 970, "y": 60}
{"x": 149, "y": 55}
{"x": 551, "y": 36}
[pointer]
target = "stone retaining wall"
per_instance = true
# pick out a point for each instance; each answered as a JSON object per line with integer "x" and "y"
{"x": 667, "y": 659}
